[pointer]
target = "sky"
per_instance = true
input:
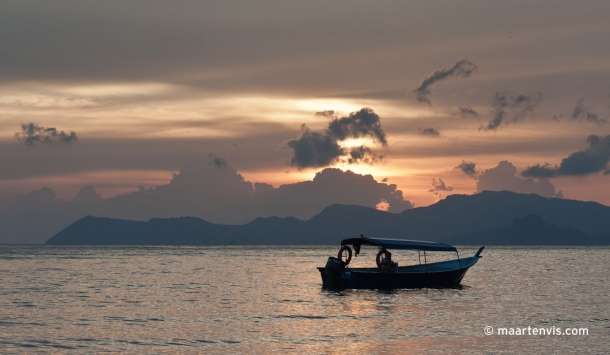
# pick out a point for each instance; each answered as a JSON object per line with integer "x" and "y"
{"x": 427, "y": 98}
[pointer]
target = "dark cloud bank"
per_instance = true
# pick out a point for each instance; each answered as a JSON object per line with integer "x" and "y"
{"x": 319, "y": 149}
{"x": 463, "y": 68}
{"x": 504, "y": 177}
{"x": 31, "y": 134}
{"x": 208, "y": 189}
{"x": 589, "y": 161}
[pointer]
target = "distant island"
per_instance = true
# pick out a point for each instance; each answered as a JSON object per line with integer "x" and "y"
{"x": 486, "y": 218}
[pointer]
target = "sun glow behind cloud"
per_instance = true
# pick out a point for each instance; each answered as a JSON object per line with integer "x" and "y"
{"x": 383, "y": 205}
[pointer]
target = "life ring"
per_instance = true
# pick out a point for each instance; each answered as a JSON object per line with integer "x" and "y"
{"x": 383, "y": 254}
{"x": 349, "y": 254}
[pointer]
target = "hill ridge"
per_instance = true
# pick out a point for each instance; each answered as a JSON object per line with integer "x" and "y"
{"x": 451, "y": 219}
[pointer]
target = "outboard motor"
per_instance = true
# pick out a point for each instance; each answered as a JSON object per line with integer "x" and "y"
{"x": 334, "y": 271}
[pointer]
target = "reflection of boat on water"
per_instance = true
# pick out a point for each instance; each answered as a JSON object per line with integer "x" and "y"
{"x": 387, "y": 274}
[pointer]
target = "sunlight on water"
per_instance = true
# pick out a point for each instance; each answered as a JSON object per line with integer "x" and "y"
{"x": 268, "y": 300}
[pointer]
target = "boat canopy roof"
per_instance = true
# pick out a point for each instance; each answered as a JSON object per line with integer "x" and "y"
{"x": 397, "y": 244}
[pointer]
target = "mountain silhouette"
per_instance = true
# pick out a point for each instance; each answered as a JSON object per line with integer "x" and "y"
{"x": 485, "y": 218}
{"x": 528, "y": 230}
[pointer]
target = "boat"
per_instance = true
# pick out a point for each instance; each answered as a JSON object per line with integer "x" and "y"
{"x": 337, "y": 274}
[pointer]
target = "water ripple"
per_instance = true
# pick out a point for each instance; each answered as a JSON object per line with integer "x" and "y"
{"x": 268, "y": 300}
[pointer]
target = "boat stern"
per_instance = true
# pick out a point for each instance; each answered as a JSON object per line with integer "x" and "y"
{"x": 332, "y": 273}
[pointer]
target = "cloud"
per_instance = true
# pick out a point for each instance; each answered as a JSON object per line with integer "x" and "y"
{"x": 358, "y": 124}
{"x": 430, "y": 132}
{"x": 581, "y": 113}
{"x": 545, "y": 171}
{"x": 468, "y": 168}
{"x": 439, "y": 186}
{"x": 31, "y": 133}
{"x": 217, "y": 161}
{"x": 463, "y": 68}
{"x": 315, "y": 149}
{"x": 468, "y": 111}
{"x": 87, "y": 196}
{"x": 319, "y": 149}
{"x": 327, "y": 113}
{"x": 330, "y": 186}
{"x": 579, "y": 109}
{"x": 200, "y": 189}
{"x": 502, "y": 177}
{"x": 591, "y": 160}
{"x": 363, "y": 154}
{"x": 508, "y": 108}
{"x": 44, "y": 199}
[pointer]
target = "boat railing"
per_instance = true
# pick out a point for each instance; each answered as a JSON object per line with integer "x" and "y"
{"x": 426, "y": 259}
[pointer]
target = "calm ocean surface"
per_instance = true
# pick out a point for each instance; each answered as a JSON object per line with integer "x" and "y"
{"x": 268, "y": 300}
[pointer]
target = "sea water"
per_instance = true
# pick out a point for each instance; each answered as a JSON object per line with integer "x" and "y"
{"x": 269, "y": 300}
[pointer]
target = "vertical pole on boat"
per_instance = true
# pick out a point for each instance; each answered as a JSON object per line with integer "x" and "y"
{"x": 419, "y": 257}
{"x": 425, "y": 261}
{"x": 459, "y": 261}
